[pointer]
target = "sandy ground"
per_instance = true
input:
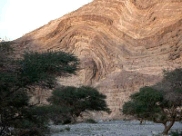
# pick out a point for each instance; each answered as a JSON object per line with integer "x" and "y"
{"x": 112, "y": 128}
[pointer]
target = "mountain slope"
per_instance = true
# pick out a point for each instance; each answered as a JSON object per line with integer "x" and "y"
{"x": 122, "y": 44}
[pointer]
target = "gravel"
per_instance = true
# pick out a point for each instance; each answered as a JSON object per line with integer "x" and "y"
{"x": 111, "y": 128}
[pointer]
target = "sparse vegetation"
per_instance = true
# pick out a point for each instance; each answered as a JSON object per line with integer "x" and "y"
{"x": 75, "y": 100}
{"x": 18, "y": 77}
{"x": 160, "y": 103}
{"x": 176, "y": 133}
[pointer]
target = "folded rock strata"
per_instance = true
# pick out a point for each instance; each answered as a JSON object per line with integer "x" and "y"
{"x": 122, "y": 44}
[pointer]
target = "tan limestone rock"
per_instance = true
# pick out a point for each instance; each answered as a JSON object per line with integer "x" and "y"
{"x": 122, "y": 44}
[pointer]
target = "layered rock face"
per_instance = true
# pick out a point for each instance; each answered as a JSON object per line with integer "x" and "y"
{"x": 122, "y": 44}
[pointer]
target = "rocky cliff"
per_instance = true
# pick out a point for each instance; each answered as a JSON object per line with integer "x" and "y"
{"x": 122, "y": 44}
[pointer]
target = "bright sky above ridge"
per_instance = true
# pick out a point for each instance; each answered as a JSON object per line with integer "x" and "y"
{"x": 18, "y": 17}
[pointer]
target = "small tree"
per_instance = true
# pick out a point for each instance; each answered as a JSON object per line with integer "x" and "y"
{"x": 172, "y": 86}
{"x": 19, "y": 76}
{"x": 160, "y": 103}
{"x": 143, "y": 104}
{"x": 78, "y": 100}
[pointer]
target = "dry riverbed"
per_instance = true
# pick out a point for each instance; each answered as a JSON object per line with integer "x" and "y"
{"x": 111, "y": 128}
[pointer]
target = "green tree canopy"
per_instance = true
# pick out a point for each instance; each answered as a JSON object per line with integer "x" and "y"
{"x": 19, "y": 76}
{"x": 172, "y": 86}
{"x": 160, "y": 103}
{"x": 143, "y": 104}
{"x": 78, "y": 100}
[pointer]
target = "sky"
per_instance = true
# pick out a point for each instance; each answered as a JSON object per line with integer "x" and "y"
{"x": 18, "y": 17}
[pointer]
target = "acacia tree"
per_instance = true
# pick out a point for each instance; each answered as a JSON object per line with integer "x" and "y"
{"x": 143, "y": 104}
{"x": 19, "y": 76}
{"x": 77, "y": 100}
{"x": 172, "y": 86}
{"x": 160, "y": 103}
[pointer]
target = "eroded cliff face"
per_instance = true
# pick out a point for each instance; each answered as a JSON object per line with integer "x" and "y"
{"x": 122, "y": 44}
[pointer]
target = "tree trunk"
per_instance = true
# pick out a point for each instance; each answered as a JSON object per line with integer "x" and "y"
{"x": 168, "y": 127}
{"x": 141, "y": 121}
{"x": 73, "y": 119}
